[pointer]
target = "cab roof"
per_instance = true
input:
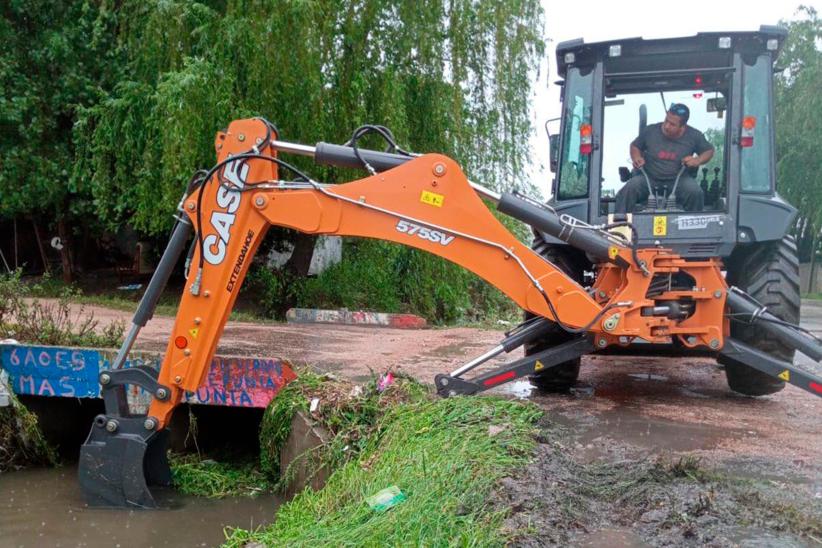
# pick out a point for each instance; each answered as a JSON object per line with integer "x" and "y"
{"x": 690, "y": 52}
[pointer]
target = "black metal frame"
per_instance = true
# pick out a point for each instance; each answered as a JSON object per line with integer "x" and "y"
{"x": 124, "y": 452}
{"x": 535, "y": 363}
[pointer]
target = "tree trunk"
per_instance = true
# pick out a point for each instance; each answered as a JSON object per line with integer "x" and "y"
{"x": 812, "y": 273}
{"x": 65, "y": 250}
{"x": 295, "y": 268}
{"x": 300, "y": 260}
{"x": 43, "y": 256}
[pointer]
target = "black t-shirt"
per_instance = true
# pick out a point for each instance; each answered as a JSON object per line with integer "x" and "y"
{"x": 663, "y": 156}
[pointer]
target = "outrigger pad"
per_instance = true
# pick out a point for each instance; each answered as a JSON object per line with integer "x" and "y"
{"x": 116, "y": 468}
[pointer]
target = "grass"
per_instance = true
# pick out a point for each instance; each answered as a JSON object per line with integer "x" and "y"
{"x": 28, "y": 319}
{"x": 194, "y": 475}
{"x": 21, "y": 440}
{"x": 440, "y": 454}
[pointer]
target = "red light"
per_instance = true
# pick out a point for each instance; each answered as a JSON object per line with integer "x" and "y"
{"x": 698, "y": 80}
{"x": 746, "y": 139}
{"x": 816, "y": 387}
{"x": 586, "y": 140}
{"x": 698, "y": 95}
{"x": 180, "y": 342}
{"x": 498, "y": 379}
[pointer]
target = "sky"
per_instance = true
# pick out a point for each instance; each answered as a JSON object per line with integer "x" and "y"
{"x": 598, "y": 20}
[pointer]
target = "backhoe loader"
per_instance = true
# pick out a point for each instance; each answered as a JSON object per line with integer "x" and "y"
{"x": 642, "y": 288}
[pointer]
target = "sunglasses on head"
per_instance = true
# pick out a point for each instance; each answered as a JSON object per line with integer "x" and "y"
{"x": 679, "y": 110}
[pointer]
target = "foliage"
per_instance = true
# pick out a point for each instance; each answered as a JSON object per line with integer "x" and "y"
{"x": 798, "y": 103}
{"x": 440, "y": 453}
{"x": 194, "y": 475}
{"x": 349, "y": 412}
{"x": 28, "y": 319}
{"x": 108, "y": 107}
{"x": 21, "y": 440}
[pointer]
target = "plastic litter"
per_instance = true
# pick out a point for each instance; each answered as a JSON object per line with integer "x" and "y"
{"x": 385, "y": 499}
{"x": 385, "y": 381}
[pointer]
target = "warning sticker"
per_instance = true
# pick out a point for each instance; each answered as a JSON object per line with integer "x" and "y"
{"x": 785, "y": 376}
{"x": 194, "y": 332}
{"x": 660, "y": 225}
{"x": 432, "y": 198}
{"x": 613, "y": 251}
{"x": 539, "y": 366}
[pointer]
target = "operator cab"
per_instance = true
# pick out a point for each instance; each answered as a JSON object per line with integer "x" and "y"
{"x": 612, "y": 90}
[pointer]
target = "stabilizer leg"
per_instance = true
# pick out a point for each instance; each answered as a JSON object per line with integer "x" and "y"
{"x": 769, "y": 365}
{"x": 448, "y": 385}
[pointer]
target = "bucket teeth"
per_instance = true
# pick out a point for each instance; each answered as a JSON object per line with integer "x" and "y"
{"x": 117, "y": 468}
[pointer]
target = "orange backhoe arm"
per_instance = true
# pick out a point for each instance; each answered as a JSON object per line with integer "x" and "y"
{"x": 425, "y": 203}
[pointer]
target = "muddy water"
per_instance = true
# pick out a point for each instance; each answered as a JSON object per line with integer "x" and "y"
{"x": 44, "y": 507}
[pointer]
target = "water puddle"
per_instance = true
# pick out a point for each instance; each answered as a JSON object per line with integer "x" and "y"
{"x": 612, "y": 538}
{"x": 629, "y": 426}
{"x": 44, "y": 507}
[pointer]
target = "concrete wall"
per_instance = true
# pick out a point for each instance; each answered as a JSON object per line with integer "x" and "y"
{"x": 805, "y": 274}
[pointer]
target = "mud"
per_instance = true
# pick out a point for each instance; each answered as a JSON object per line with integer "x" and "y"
{"x": 759, "y": 477}
{"x": 564, "y": 498}
{"x": 43, "y": 507}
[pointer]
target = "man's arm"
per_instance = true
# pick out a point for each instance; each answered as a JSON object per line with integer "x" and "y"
{"x": 704, "y": 151}
{"x": 636, "y": 156}
{"x": 696, "y": 161}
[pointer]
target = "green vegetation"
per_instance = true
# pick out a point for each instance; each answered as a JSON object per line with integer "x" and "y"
{"x": 109, "y": 107}
{"x": 21, "y": 441}
{"x": 26, "y": 318}
{"x": 440, "y": 453}
{"x": 194, "y": 475}
{"x": 797, "y": 102}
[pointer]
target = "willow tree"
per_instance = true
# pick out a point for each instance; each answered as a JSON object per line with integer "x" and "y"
{"x": 798, "y": 104}
{"x": 449, "y": 76}
{"x": 56, "y": 58}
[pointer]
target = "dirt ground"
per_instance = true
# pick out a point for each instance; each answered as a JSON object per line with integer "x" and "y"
{"x": 625, "y": 409}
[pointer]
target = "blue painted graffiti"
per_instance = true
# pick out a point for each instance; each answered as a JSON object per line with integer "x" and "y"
{"x": 72, "y": 373}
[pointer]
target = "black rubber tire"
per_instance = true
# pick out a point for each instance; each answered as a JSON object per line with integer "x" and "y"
{"x": 769, "y": 272}
{"x": 563, "y": 376}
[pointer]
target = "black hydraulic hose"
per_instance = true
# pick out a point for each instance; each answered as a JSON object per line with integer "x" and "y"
{"x": 549, "y": 222}
{"x": 742, "y": 304}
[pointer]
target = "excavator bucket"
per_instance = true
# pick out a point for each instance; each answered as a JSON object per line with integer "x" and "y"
{"x": 117, "y": 469}
{"x": 124, "y": 452}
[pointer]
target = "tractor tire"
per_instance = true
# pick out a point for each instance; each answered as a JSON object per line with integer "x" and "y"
{"x": 770, "y": 274}
{"x": 563, "y": 376}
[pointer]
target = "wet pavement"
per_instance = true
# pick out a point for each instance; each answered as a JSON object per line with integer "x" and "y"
{"x": 43, "y": 507}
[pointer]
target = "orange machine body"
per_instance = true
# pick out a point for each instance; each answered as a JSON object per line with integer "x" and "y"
{"x": 426, "y": 203}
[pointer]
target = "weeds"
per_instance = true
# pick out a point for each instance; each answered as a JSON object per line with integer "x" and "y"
{"x": 442, "y": 457}
{"x": 21, "y": 441}
{"x": 194, "y": 475}
{"x": 24, "y": 317}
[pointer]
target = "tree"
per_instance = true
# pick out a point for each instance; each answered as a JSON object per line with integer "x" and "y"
{"x": 799, "y": 124}
{"x": 452, "y": 76}
{"x": 56, "y": 59}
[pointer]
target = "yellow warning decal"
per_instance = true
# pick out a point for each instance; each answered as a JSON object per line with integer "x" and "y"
{"x": 432, "y": 198}
{"x": 194, "y": 332}
{"x": 613, "y": 251}
{"x": 785, "y": 376}
{"x": 660, "y": 225}
{"x": 539, "y": 366}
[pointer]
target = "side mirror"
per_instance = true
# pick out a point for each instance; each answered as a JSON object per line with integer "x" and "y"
{"x": 624, "y": 174}
{"x": 553, "y": 145}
